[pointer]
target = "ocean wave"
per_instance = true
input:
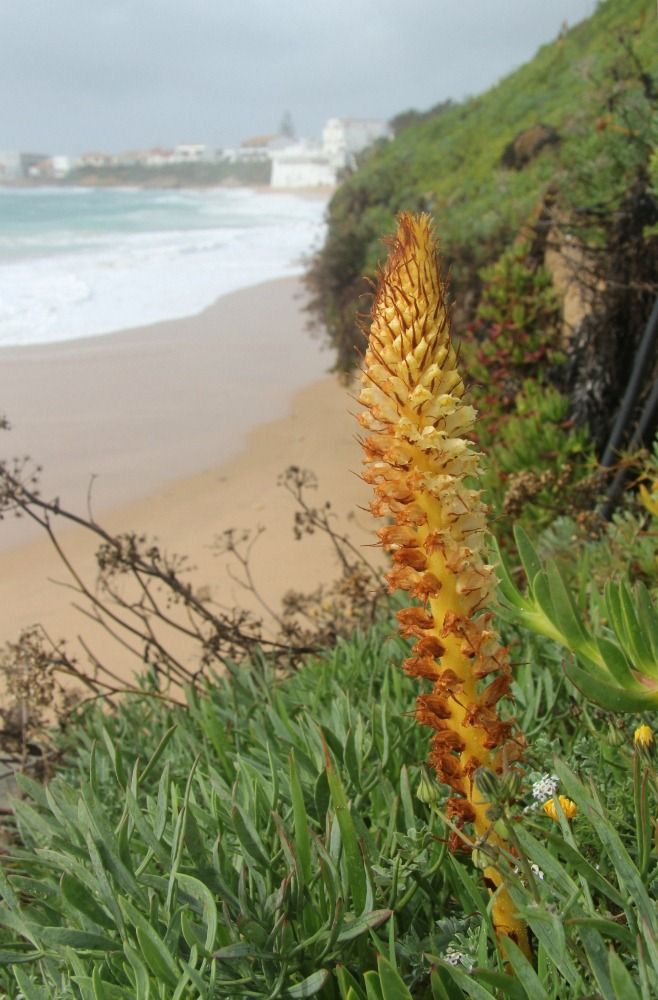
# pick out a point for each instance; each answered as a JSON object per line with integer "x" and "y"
{"x": 73, "y": 277}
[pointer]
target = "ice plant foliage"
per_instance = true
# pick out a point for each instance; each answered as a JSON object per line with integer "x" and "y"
{"x": 616, "y": 667}
{"x": 418, "y": 459}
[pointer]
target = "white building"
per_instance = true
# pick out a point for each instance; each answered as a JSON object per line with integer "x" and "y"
{"x": 10, "y": 166}
{"x": 14, "y": 166}
{"x": 344, "y": 138}
{"x": 302, "y": 165}
{"x": 97, "y": 160}
{"x": 193, "y": 152}
{"x": 257, "y": 149}
{"x": 306, "y": 164}
{"x": 158, "y": 157}
{"x": 62, "y": 165}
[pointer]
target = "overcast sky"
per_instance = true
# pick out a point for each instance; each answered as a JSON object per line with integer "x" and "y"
{"x": 77, "y": 75}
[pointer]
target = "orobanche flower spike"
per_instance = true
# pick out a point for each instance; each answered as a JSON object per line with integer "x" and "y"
{"x": 417, "y": 459}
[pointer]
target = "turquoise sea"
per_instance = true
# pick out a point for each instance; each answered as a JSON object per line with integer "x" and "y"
{"x": 77, "y": 262}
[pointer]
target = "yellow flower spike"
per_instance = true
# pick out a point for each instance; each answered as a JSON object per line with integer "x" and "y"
{"x": 643, "y": 737}
{"x": 418, "y": 459}
{"x": 569, "y": 808}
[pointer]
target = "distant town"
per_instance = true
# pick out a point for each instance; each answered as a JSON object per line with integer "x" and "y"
{"x": 279, "y": 160}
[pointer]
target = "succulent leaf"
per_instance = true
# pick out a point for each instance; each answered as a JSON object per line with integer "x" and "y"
{"x": 616, "y": 667}
{"x": 608, "y": 694}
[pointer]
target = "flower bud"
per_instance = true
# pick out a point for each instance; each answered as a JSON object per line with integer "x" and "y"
{"x": 615, "y": 736}
{"x": 480, "y": 859}
{"x": 643, "y": 737}
{"x": 569, "y": 808}
{"x": 427, "y": 791}
{"x": 511, "y": 786}
{"x": 487, "y": 783}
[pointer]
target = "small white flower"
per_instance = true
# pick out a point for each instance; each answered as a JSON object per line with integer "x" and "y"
{"x": 452, "y": 956}
{"x": 545, "y": 788}
{"x": 535, "y": 869}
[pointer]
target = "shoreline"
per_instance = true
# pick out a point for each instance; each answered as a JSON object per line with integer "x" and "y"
{"x": 124, "y": 413}
{"x": 323, "y": 192}
{"x": 253, "y": 429}
{"x": 134, "y": 259}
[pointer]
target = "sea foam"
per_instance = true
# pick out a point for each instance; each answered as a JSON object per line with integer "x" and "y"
{"x": 77, "y": 262}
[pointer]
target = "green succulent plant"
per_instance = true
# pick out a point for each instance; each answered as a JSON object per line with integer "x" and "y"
{"x": 614, "y": 662}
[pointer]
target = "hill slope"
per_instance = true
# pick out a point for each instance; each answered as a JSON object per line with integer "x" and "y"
{"x": 593, "y": 86}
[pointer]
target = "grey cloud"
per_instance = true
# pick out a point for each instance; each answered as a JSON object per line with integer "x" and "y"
{"x": 120, "y": 73}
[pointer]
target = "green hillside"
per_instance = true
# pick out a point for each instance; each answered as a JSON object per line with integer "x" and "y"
{"x": 594, "y": 85}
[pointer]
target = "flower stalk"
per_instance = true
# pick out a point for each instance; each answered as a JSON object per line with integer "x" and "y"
{"x": 418, "y": 459}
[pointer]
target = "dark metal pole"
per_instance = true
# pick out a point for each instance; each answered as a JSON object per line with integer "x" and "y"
{"x": 641, "y": 367}
{"x": 646, "y": 424}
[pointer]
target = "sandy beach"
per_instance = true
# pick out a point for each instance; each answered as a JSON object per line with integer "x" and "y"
{"x": 136, "y": 409}
{"x": 187, "y": 426}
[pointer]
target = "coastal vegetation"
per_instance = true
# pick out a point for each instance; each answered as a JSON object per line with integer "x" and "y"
{"x": 275, "y": 828}
{"x": 558, "y": 145}
{"x": 202, "y": 174}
